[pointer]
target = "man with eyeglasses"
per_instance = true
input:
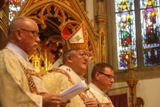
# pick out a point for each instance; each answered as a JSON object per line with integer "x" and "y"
{"x": 20, "y": 85}
{"x": 75, "y": 61}
{"x": 102, "y": 80}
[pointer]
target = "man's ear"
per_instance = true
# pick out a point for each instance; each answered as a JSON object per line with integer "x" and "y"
{"x": 69, "y": 58}
{"x": 18, "y": 34}
{"x": 97, "y": 76}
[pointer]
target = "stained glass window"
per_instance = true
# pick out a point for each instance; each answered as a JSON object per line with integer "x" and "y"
{"x": 14, "y": 7}
{"x": 125, "y": 33}
{"x": 150, "y": 31}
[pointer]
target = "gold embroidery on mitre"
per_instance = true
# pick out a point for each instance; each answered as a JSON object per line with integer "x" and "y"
{"x": 78, "y": 40}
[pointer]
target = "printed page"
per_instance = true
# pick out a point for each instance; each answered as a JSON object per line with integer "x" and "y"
{"x": 73, "y": 91}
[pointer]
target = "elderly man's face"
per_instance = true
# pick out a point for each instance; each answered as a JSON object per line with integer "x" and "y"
{"x": 29, "y": 36}
{"x": 80, "y": 61}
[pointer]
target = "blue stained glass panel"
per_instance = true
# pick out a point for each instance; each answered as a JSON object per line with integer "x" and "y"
{"x": 126, "y": 34}
{"x": 150, "y": 31}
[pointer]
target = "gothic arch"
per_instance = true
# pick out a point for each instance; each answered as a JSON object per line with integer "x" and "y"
{"x": 52, "y": 16}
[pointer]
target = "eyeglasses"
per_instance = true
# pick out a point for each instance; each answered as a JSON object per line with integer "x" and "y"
{"x": 35, "y": 34}
{"x": 107, "y": 75}
{"x": 84, "y": 54}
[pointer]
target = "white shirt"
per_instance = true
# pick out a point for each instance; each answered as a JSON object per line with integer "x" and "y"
{"x": 17, "y": 50}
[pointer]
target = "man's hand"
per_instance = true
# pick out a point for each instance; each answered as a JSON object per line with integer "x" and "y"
{"x": 51, "y": 100}
{"x": 63, "y": 104}
{"x": 91, "y": 102}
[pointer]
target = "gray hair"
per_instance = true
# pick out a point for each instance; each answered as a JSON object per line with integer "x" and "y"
{"x": 69, "y": 52}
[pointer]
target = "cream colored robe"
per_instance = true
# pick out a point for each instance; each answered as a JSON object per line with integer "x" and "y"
{"x": 58, "y": 80}
{"x": 102, "y": 98}
{"x": 17, "y": 87}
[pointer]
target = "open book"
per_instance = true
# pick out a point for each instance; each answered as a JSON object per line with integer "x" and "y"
{"x": 73, "y": 91}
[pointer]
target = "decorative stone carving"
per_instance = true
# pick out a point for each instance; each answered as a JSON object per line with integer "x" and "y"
{"x": 100, "y": 6}
{"x": 3, "y": 23}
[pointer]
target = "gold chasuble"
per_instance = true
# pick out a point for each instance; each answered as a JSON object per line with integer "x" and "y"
{"x": 58, "y": 80}
{"x": 20, "y": 86}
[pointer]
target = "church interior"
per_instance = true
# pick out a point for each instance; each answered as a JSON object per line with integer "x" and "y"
{"x": 123, "y": 33}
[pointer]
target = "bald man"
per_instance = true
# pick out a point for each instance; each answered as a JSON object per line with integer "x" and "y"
{"x": 20, "y": 85}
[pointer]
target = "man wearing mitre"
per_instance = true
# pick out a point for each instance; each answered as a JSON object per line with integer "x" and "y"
{"x": 75, "y": 61}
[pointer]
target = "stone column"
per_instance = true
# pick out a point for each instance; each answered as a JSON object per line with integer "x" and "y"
{"x": 100, "y": 19}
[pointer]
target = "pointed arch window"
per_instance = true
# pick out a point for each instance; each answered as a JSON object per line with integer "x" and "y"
{"x": 126, "y": 32}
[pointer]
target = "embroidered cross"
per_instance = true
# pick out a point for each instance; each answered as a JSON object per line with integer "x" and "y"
{"x": 77, "y": 37}
{"x": 68, "y": 69}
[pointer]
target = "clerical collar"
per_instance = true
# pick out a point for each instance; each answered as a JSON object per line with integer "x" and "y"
{"x": 97, "y": 89}
{"x": 17, "y": 50}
